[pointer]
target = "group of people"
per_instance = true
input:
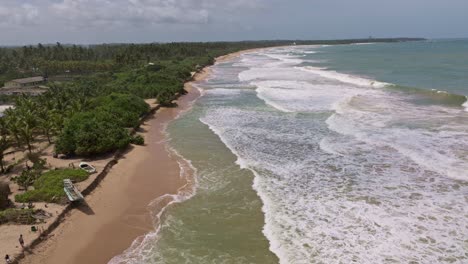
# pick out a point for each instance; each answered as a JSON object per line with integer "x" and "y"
{"x": 21, "y": 241}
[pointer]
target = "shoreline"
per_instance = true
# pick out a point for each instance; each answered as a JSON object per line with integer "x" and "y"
{"x": 116, "y": 212}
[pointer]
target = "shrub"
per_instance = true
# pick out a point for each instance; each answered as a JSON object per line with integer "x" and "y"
{"x": 49, "y": 186}
{"x": 26, "y": 178}
{"x": 138, "y": 140}
{"x": 125, "y": 108}
{"x": 127, "y": 102}
{"x": 18, "y": 216}
{"x": 35, "y": 158}
{"x": 91, "y": 133}
{"x": 165, "y": 98}
{"x": 154, "y": 67}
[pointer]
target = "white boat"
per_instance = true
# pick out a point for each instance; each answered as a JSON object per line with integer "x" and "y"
{"x": 71, "y": 191}
{"x": 87, "y": 167}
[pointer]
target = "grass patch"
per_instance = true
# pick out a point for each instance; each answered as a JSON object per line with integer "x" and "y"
{"x": 18, "y": 216}
{"x": 49, "y": 186}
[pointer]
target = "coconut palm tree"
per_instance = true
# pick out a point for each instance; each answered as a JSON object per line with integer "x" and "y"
{"x": 12, "y": 123}
{"x": 26, "y": 109}
{"x": 4, "y": 142}
{"x": 45, "y": 117}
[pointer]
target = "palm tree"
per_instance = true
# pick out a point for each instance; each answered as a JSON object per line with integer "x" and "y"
{"x": 28, "y": 122}
{"x": 45, "y": 123}
{"x": 4, "y": 143}
{"x": 12, "y": 124}
{"x": 46, "y": 117}
{"x": 26, "y": 109}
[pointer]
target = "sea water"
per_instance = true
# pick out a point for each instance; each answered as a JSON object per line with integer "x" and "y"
{"x": 324, "y": 154}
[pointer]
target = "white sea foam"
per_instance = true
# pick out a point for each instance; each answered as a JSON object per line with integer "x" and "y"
{"x": 223, "y": 91}
{"x": 143, "y": 248}
{"x": 465, "y": 104}
{"x": 284, "y": 60}
{"x": 376, "y": 190}
{"x": 368, "y": 204}
{"x": 345, "y": 78}
{"x": 295, "y": 96}
{"x": 364, "y": 43}
{"x": 437, "y": 149}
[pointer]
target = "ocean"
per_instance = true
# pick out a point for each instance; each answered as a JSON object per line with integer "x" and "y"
{"x": 324, "y": 154}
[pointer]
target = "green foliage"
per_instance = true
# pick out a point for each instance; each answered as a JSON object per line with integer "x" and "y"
{"x": 125, "y": 108}
{"x": 26, "y": 178}
{"x": 5, "y": 143}
{"x": 91, "y": 133}
{"x": 49, "y": 186}
{"x": 29, "y": 176}
{"x": 36, "y": 160}
{"x": 165, "y": 98}
{"x": 138, "y": 140}
{"x": 18, "y": 216}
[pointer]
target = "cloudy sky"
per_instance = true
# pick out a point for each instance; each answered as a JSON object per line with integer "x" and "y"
{"x": 106, "y": 21}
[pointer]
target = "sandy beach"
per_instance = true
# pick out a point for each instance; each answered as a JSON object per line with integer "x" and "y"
{"x": 117, "y": 213}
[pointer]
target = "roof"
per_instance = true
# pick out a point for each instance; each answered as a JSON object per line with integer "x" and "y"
{"x": 29, "y": 80}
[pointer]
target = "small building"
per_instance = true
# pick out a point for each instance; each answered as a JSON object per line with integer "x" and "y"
{"x": 29, "y": 86}
{"x": 25, "y": 82}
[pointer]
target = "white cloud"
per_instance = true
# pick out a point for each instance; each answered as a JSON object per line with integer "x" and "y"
{"x": 11, "y": 15}
{"x": 144, "y": 12}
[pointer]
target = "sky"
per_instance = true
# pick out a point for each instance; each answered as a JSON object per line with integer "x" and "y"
{"x": 118, "y": 21}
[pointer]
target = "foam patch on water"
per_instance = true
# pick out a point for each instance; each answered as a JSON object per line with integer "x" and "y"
{"x": 345, "y": 78}
{"x": 286, "y": 60}
{"x": 406, "y": 129}
{"x": 223, "y": 91}
{"x": 466, "y": 104}
{"x": 365, "y": 205}
{"x": 364, "y": 43}
{"x": 295, "y": 96}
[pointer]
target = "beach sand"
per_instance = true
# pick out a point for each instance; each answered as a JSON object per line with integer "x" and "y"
{"x": 117, "y": 212}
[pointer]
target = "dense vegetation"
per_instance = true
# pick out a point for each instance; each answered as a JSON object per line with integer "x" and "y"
{"x": 49, "y": 186}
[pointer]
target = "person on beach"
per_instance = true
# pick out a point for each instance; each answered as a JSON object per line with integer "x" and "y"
{"x": 21, "y": 241}
{"x": 7, "y": 259}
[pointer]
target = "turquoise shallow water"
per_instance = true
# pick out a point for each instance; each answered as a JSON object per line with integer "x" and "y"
{"x": 304, "y": 157}
{"x": 432, "y": 64}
